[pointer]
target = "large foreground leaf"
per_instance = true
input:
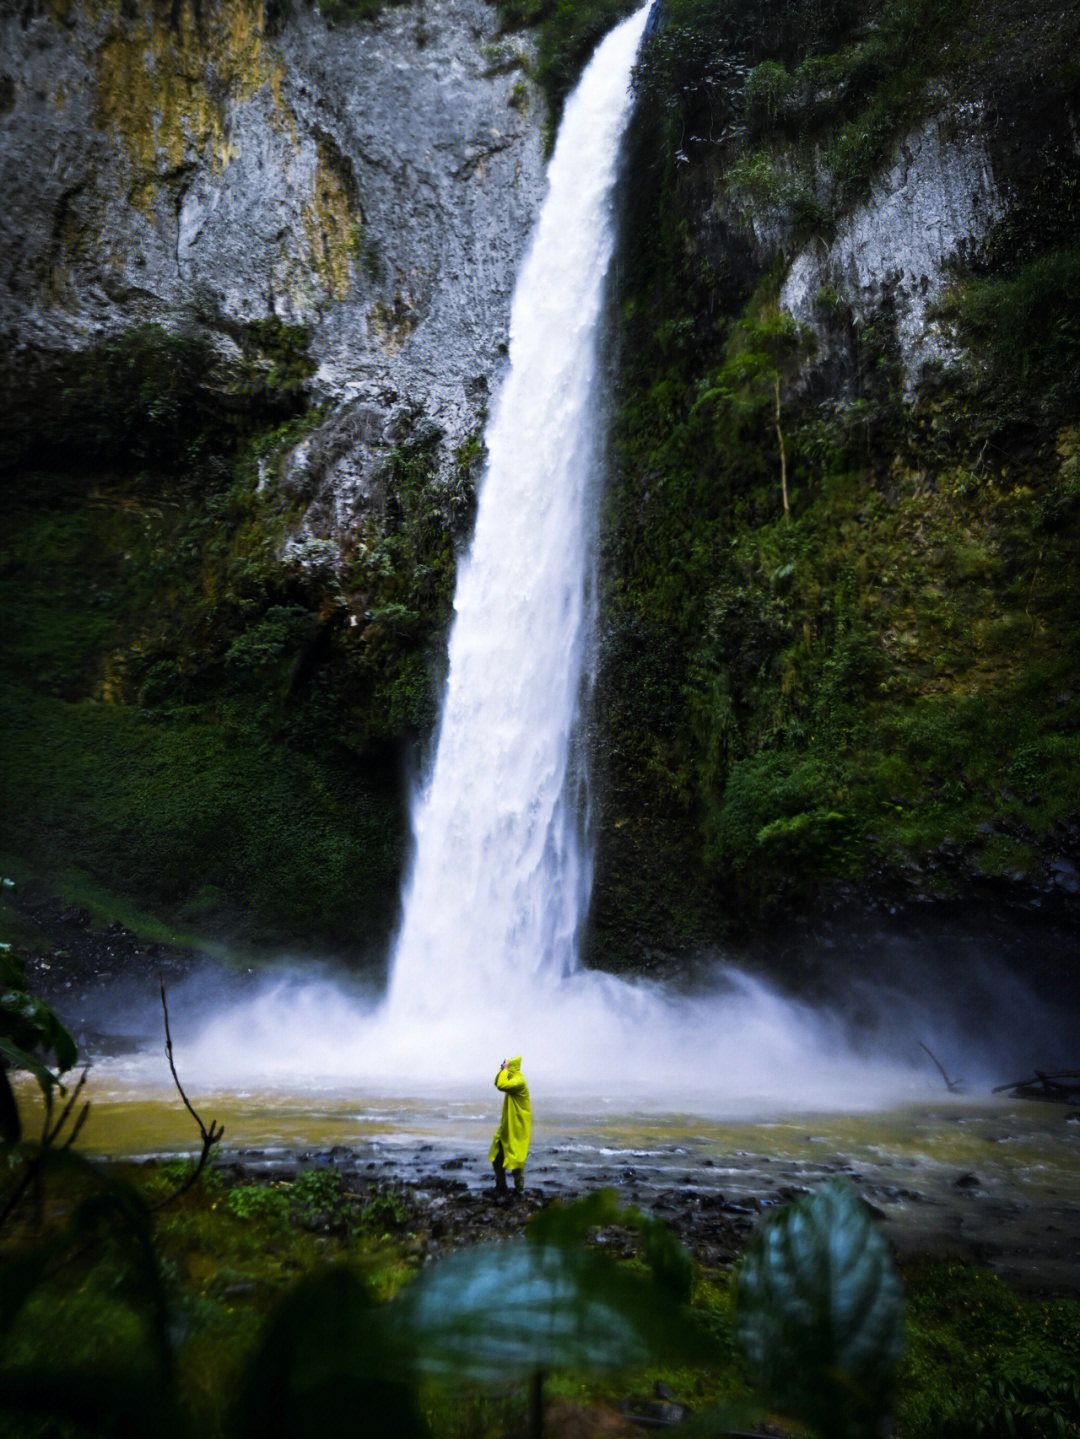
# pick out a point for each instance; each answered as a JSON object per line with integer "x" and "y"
{"x": 120, "y": 1405}
{"x": 499, "y": 1311}
{"x": 670, "y": 1261}
{"x": 819, "y": 1312}
{"x": 329, "y": 1363}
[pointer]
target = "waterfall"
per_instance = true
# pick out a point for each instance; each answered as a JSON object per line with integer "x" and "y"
{"x": 486, "y": 957}
{"x": 500, "y": 879}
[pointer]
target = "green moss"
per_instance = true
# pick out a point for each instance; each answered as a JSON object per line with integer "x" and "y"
{"x": 150, "y": 401}
{"x": 782, "y": 703}
{"x": 165, "y": 708}
{"x": 203, "y": 821}
{"x": 1027, "y": 326}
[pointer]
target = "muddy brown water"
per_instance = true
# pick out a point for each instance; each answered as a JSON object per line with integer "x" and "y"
{"x": 981, "y": 1178}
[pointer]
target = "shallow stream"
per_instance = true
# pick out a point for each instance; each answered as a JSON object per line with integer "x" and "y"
{"x": 980, "y": 1178}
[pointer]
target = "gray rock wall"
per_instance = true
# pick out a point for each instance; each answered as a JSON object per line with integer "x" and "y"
{"x": 935, "y": 203}
{"x": 376, "y": 181}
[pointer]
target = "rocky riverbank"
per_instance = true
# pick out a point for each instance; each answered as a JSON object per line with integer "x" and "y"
{"x": 996, "y": 1185}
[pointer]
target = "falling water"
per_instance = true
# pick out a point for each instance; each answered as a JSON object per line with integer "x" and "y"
{"x": 501, "y": 874}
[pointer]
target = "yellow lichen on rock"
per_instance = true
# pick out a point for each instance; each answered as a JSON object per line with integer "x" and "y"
{"x": 393, "y": 324}
{"x": 329, "y": 222}
{"x": 164, "y": 84}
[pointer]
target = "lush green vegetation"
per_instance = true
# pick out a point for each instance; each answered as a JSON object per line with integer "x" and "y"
{"x": 837, "y": 681}
{"x": 197, "y": 716}
{"x": 152, "y": 398}
{"x": 200, "y": 1301}
{"x": 982, "y": 1359}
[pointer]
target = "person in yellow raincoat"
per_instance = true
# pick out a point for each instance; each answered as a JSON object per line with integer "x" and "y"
{"x": 510, "y": 1147}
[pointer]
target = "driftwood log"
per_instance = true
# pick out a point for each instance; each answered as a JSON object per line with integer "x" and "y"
{"x": 1060, "y": 1088}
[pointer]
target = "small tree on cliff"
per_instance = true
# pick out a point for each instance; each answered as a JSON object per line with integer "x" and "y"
{"x": 763, "y": 357}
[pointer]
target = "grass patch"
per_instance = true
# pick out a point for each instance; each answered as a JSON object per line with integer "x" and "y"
{"x": 212, "y": 827}
{"x": 983, "y": 1359}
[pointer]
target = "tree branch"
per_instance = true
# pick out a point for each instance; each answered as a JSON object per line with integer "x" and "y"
{"x": 210, "y": 1136}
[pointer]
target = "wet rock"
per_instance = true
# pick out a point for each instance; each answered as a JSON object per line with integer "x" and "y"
{"x": 656, "y": 1414}
{"x": 967, "y": 1181}
{"x": 791, "y": 1191}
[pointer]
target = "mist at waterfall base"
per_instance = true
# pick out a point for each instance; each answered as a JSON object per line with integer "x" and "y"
{"x": 739, "y": 1046}
{"x": 485, "y": 961}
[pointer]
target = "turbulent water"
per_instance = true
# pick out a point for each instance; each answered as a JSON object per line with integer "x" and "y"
{"x": 486, "y": 958}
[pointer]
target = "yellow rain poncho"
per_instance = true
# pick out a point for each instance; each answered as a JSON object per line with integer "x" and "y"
{"x": 515, "y": 1126}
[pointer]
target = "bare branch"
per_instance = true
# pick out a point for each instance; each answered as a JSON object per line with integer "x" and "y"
{"x": 31, "y": 1175}
{"x": 50, "y": 1135}
{"x": 954, "y": 1086}
{"x": 210, "y": 1136}
{"x": 783, "y": 453}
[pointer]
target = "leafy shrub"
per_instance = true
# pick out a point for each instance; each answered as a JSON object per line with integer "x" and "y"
{"x": 985, "y": 1361}
{"x": 257, "y": 1201}
{"x": 768, "y": 86}
{"x": 767, "y": 789}
{"x": 1029, "y": 327}
{"x": 276, "y": 640}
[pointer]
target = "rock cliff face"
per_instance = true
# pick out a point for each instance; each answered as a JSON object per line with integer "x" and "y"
{"x": 202, "y": 169}
{"x": 257, "y": 269}
{"x": 932, "y": 207}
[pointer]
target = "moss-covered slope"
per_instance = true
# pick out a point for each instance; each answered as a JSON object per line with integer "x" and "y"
{"x": 196, "y": 717}
{"x": 840, "y": 650}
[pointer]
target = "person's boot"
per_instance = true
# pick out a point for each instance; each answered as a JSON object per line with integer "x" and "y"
{"x": 519, "y": 1182}
{"x": 500, "y": 1181}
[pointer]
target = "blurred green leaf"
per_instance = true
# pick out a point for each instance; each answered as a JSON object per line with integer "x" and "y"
{"x": 819, "y": 1312}
{"x": 667, "y": 1257}
{"x": 20, "y": 1059}
{"x": 118, "y": 1404}
{"x": 28, "y": 1024}
{"x": 115, "y": 1213}
{"x": 503, "y": 1310}
{"x": 10, "y": 1123}
{"x": 721, "y": 1420}
{"x": 19, "y": 1277}
{"x": 330, "y": 1361}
